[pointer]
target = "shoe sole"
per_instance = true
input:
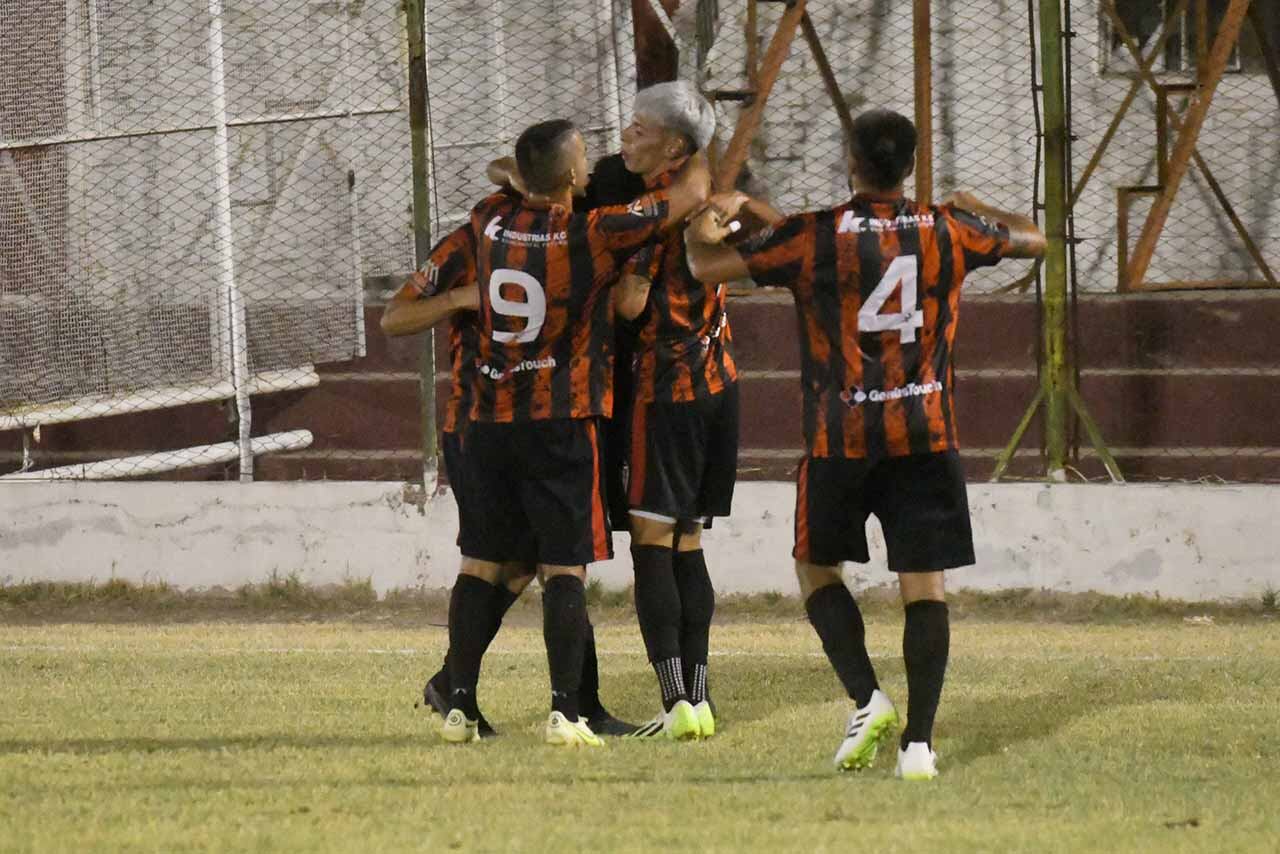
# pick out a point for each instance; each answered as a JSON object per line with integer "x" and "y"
{"x": 558, "y": 740}
{"x": 453, "y": 736}
{"x": 918, "y": 777}
{"x": 685, "y": 726}
{"x": 878, "y": 731}
{"x": 706, "y": 726}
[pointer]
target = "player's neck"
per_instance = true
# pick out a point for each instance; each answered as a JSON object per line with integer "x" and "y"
{"x": 658, "y": 173}
{"x": 563, "y": 198}
{"x": 877, "y": 194}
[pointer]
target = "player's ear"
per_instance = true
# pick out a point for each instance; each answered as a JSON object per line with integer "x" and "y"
{"x": 911, "y": 167}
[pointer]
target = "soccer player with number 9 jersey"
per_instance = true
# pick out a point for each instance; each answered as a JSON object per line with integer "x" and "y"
{"x": 544, "y": 377}
{"x": 877, "y": 284}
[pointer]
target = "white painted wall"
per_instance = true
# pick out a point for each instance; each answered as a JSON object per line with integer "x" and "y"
{"x": 1181, "y": 541}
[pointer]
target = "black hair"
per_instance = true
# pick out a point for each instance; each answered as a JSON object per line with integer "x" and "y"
{"x": 543, "y": 157}
{"x": 884, "y": 145}
{"x": 611, "y": 184}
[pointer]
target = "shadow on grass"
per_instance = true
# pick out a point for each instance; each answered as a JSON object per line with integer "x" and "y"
{"x": 138, "y": 744}
{"x": 989, "y": 726}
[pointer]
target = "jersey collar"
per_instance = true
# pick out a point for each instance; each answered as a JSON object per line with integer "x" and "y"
{"x": 666, "y": 179}
{"x": 881, "y": 198}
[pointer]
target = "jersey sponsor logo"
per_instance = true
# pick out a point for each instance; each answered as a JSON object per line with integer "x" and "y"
{"x": 494, "y": 231}
{"x": 855, "y": 396}
{"x": 527, "y": 365}
{"x": 850, "y": 224}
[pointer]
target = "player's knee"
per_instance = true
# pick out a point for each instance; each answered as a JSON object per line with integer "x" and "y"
{"x": 690, "y": 539}
{"x": 482, "y": 569}
{"x": 517, "y": 575}
{"x": 814, "y": 576}
{"x": 652, "y": 532}
{"x": 920, "y": 586}
{"x": 548, "y": 571}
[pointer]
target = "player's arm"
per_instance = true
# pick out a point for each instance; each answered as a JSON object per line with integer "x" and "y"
{"x": 504, "y": 173}
{"x": 690, "y": 189}
{"x": 444, "y": 285}
{"x": 409, "y": 313}
{"x": 710, "y": 260}
{"x": 1025, "y": 238}
{"x": 630, "y": 295}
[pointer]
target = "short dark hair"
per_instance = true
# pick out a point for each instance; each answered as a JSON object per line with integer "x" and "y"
{"x": 543, "y": 157}
{"x": 884, "y": 143}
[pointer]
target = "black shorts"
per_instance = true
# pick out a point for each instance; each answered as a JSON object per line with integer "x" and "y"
{"x": 920, "y": 501}
{"x": 451, "y": 450}
{"x": 684, "y": 458}
{"x": 534, "y": 492}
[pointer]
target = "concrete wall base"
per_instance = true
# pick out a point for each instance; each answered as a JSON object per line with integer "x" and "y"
{"x": 1179, "y": 541}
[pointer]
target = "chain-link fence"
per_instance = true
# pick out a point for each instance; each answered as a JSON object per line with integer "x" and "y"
{"x": 196, "y": 204}
{"x": 190, "y": 196}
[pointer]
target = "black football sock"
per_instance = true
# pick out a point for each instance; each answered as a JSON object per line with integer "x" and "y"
{"x": 470, "y": 631}
{"x": 838, "y": 622}
{"x": 697, "y": 607}
{"x": 589, "y": 690}
{"x": 658, "y": 611}
{"x": 564, "y": 629}
{"x": 926, "y": 643}
{"x": 502, "y": 601}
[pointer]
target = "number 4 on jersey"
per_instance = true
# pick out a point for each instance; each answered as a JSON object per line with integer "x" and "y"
{"x": 903, "y": 271}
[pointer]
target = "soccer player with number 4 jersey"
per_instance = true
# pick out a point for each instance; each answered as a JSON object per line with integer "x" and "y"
{"x": 877, "y": 284}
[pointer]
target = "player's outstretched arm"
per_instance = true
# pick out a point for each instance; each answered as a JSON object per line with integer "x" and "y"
{"x": 709, "y": 259}
{"x": 1025, "y": 238}
{"x": 504, "y": 173}
{"x": 409, "y": 315}
{"x": 630, "y": 295}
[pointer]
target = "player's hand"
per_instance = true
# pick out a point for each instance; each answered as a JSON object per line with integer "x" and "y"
{"x": 964, "y": 201}
{"x": 728, "y": 204}
{"x": 708, "y": 226}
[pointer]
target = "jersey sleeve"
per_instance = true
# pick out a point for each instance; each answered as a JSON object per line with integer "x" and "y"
{"x": 451, "y": 264}
{"x": 620, "y": 230}
{"x": 647, "y": 261}
{"x": 984, "y": 241}
{"x": 775, "y": 257}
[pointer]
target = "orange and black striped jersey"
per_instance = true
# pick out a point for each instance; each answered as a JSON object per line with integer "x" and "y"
{"x": 451, "y": 264}
{"x": 546, "y": 317}
{"x": 684, "y": 350}
{"x": 876, "y": 283}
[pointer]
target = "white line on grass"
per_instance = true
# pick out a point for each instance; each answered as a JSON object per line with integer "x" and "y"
{"x": 722, "y": 653}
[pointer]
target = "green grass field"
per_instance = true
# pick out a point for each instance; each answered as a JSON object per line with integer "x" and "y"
{"x": 1156, "y": 735}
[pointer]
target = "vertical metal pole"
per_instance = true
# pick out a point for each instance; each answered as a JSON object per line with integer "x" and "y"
{"x": 923, "y": 38}
{"x": 753, "y": 45}
{"x": 233, "y": 340}
{"x": 1055, "y": 377}
{"x": 415, "y": 12}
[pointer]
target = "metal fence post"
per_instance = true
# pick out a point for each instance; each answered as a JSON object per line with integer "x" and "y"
{"x": 1056, "y": 374}
{"x": 415, "y": 13}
